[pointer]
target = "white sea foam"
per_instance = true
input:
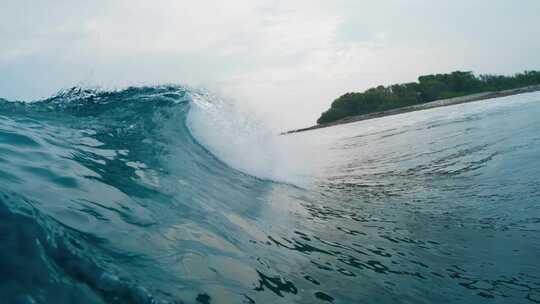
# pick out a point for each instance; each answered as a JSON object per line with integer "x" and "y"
{"x": 235, "y": 136}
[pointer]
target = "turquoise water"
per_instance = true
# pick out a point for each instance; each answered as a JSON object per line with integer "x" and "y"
{"x": 164, "y": 195}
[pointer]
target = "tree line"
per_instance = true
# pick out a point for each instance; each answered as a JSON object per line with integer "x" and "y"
{"x": 428, "y": 88}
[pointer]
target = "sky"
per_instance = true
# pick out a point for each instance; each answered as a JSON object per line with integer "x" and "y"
{"x": 284, "y": 60}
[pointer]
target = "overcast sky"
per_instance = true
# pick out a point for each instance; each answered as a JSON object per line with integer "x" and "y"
{"x": 287, "y": 59}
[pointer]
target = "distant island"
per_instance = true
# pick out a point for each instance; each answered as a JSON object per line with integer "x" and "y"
{"x": 430, "y": 91}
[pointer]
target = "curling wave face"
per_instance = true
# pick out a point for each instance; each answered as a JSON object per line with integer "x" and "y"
{"x": 108, "y": 197}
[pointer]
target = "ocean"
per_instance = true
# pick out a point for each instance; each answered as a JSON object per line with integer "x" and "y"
{"x": 168, "y": 194}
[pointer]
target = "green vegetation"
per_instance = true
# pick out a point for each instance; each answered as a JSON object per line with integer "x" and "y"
{"x": 428, "y": 88}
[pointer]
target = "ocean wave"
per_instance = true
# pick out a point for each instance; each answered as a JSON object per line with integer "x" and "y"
{"x": 168, "y": 194}
{"x": 85, "y": 168}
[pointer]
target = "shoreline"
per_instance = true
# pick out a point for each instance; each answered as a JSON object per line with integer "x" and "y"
{"x": 424, "y": 106}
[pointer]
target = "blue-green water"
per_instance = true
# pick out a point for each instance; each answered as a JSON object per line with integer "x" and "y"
{"x": 132, "y": 196}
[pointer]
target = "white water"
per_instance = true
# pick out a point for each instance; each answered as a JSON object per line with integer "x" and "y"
{"x": 244, "y": 142}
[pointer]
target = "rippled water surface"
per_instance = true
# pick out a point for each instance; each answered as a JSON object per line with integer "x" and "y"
{"x": 121, "y": 197}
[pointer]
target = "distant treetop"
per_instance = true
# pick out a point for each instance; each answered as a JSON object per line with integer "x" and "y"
{"x": 428, "y": 88}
